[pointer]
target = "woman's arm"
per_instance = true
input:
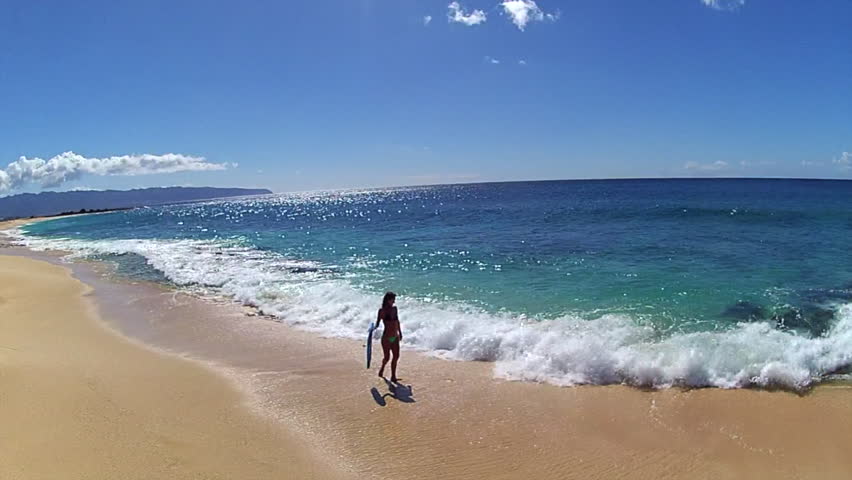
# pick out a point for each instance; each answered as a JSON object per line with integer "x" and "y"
{"x": 398, "y": 324}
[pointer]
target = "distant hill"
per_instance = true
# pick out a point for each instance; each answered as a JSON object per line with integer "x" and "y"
{"x": 54, "y": 203}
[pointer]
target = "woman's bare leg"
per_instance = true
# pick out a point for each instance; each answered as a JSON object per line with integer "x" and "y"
{"x": 395, "y": 349}
{"x": 386, "y": 351}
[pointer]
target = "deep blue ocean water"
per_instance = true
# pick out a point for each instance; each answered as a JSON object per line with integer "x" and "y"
{"x": 696, "y": 282}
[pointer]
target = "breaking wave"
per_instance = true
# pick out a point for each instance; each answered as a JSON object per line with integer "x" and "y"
{"x": 611, "y": 349}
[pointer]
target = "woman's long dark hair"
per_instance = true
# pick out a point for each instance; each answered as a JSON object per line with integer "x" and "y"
{"x": 387, "y": 299}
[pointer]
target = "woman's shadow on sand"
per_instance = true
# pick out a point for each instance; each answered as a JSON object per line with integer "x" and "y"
{"x": 397, "y": 391}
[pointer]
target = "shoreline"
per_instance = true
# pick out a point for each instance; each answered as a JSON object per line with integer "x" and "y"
{"x": 454, "y": 420}
{"x": 86, "y": 402}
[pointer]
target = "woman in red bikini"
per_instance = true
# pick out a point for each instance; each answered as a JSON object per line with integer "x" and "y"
{"x": 392, "y": 334}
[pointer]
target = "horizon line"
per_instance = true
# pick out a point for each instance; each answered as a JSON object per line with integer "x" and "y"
{"x": 485, "y": 182}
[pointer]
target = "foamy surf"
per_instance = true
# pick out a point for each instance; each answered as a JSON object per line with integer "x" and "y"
{"x": 610, "y": 349}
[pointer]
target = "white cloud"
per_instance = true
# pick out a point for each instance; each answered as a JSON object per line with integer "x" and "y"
{"x": 70, "y": 166}
{"x": 524, "y": 11}
{"x": 457, "y": 14}
{"x": 427, "y": 20}
{"x": 492, "y": 60}
{"x": 522, "y": 62}
{"x": 811, "y": 163}
{"x": 844, "y": 161}
{"x": 706, "y": 167}
{"x": 726, "y": 5}
{"x": 756, "y": 163}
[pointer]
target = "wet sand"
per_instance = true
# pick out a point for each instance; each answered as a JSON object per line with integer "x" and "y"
{"x": 453, "y": 420}
{"x": 448, "y": 420}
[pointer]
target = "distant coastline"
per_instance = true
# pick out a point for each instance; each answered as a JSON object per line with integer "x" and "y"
{"x": 82, "y": 211}
{"x": 50, "y": 204}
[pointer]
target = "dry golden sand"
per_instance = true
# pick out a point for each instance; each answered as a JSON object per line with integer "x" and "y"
{"x": 77, "y": 401}
{"x": 452, "y": 420}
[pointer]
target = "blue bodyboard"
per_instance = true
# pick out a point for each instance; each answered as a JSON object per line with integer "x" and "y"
{"x": 370, "y": 343}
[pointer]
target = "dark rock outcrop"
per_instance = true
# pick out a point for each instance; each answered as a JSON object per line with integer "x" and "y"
{"x": 745, "y": 311}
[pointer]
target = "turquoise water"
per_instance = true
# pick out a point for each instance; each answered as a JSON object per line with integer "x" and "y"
{"x": 651, "y": 282}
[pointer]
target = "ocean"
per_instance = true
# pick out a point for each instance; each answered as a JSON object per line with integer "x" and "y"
{"x": 725, "y": 283}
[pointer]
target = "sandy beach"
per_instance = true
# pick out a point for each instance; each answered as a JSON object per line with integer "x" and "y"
{"x": 80, "y": 401}
{"x": 112, "y": 379}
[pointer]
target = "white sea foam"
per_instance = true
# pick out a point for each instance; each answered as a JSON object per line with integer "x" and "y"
{"x": 564, "y": 351}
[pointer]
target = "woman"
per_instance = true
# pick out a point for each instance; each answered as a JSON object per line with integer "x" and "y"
{"x": 392, "y": 334}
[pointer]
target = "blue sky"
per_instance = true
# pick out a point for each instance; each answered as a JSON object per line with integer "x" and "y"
{"x": 356, "y": 93}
